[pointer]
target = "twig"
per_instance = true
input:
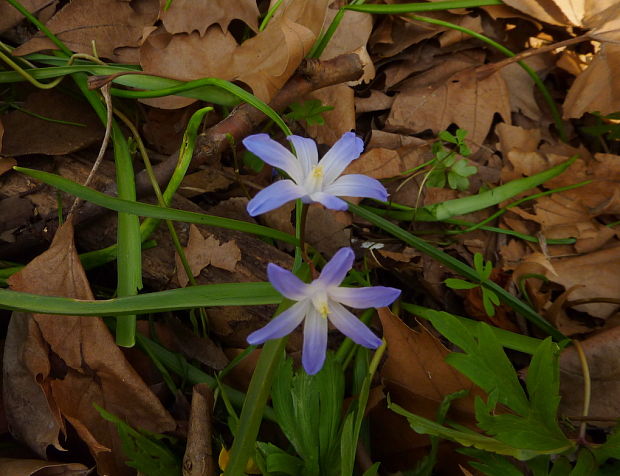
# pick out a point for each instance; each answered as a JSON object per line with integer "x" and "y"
{"x": 105, "y": 91}
{"x": 488, "y": 69}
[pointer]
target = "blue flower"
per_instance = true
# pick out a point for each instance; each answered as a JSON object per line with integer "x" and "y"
{"x": 311, "y": 180}
{"x": 319, "y": 301}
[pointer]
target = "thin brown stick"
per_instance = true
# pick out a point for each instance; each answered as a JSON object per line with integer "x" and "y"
{"x": 105, "y": 91}
{"x": 488, "y": 69}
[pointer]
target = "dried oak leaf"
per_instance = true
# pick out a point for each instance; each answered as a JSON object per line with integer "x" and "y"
{"x": 26, "y": 134}
{"x": 76, "y": 362}
{"x": 111, "y": 24}
{"x": 186, "y": 16}
{"x": 255, "y": 62}
{"x": 10, "y": 17}
{"x": 202, "y": 252}
{"x": 450, "y": 93}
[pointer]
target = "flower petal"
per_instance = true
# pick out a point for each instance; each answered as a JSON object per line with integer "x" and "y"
{"x": 306, "y": 153}
{"x": 274, "y": 196}
{"x": 280, "y": 325}
{"x": 363, "y": 298}
{"x": 336, "y": 268}
{"x": 343, "y": 152}
{"x": 315, "y": 342}
{"x": 357, "y": 185}
{"x": 328, "y": 201}
{"x": 286, "y": 283}
{"x": 274, "y": 154}
{"x": 352, "y": 327}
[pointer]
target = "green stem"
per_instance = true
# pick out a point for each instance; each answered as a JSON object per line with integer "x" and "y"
{"x": 466, "y": 271}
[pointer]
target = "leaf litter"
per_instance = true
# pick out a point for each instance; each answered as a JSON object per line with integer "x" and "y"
{"x": 418, "y": 79}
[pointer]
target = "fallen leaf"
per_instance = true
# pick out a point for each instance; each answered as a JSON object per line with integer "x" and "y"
{"x": 339, "y": 120}
{"x": 293, "y": 28}
{"x": 186, "y": 16}
{"x": 110, "y": 24}
{"x": 415, "y": 362}
{"x": 450, "y": 94}
{"x": 598, "y": 87}
{"x": 377, "y": 163}
{"x": 76, "y": 362}
{"x": 326, "y": 230}
{"x": 603, "y": 355}
{"x": 25, "y": 134}
{"x": 10, "y": 16}
{"x": 35, "y": 467}
{"x": 597, "y": 275}
{"x": 6, "y": 163}
{"x": 202, "y": 252}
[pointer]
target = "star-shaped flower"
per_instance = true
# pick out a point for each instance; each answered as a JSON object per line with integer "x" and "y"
{"x": 319, "y": 301}
{"x": 311, "y": 180}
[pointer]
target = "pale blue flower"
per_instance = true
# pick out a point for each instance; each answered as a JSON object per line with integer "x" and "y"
{"x": 319, "y": 301}
{"x": 311, "y": 180}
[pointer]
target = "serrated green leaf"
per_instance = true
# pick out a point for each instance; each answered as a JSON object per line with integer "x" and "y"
{"x": 447, "y": 137}
{"x": 490, "y": 464}
{"x": 427, "y": 427}
{"x": 489, "y": 308}
{"x": 586, "y": 464}
{"x": 479, "y": 263}
{"x": 456, "y": 283}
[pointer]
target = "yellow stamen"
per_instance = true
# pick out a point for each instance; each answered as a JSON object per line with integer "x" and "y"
{"x": 317, "y": 172}
{"x": 323, "y": 310}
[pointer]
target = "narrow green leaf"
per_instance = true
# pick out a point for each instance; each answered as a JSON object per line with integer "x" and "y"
{"x": 147, "y": 210}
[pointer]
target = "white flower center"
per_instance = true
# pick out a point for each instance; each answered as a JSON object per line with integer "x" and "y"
{"x": 320, "y": 303}
{"x": 314, "y": 180}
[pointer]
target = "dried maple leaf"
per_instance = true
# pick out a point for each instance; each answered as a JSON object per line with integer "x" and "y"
{"x": 76, "y": 363}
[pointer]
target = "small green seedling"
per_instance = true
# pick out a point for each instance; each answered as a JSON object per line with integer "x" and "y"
{"x": 489, "y": 298}
{"x": 310, "y": 111}
{"x": 446, "y": 167}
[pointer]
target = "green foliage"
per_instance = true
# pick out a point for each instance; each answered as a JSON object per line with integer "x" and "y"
{"x": 310, "y": 111}
{"x": 146, "y": 451}
{"x": 532, "y": 428}
{"x": 446, "y": 167}
{"x": 308, "y": 409}
{"x": 605, "y": 127}
{"x": 489, "y": 298}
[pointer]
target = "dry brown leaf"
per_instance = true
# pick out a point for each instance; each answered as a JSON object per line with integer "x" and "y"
{"x": 35, "y": 467}
{"x": 377, "y": 163}
{"x": 597, "y": 89}
{"x": 25, "y": 134}
{"x": 415, "y": 362}
{"x": 603, "y": 355}
{"x": 6, "y": 164}
{"x": 186, "y": 16}
{"x": 87, "y": 367}
{"x": 326, "y": 230}
{"x": 202, "y": 252}
{"x": 450, "y": 94}
{"x": 521, "y": 86}
{"x": 10, "y": 17}
{"x": 596, "y": 273}
{"x": 198, "y": 459}
{"x": 339, "y": 120}
{"x": 111, "y": 24}
{"x": 255, "y": 62}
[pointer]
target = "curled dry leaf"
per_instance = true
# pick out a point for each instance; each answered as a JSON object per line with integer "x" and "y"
{"x": 598, "y": 87}
{"x": 76, "y": 363}
{"x": 110, "y": 24}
